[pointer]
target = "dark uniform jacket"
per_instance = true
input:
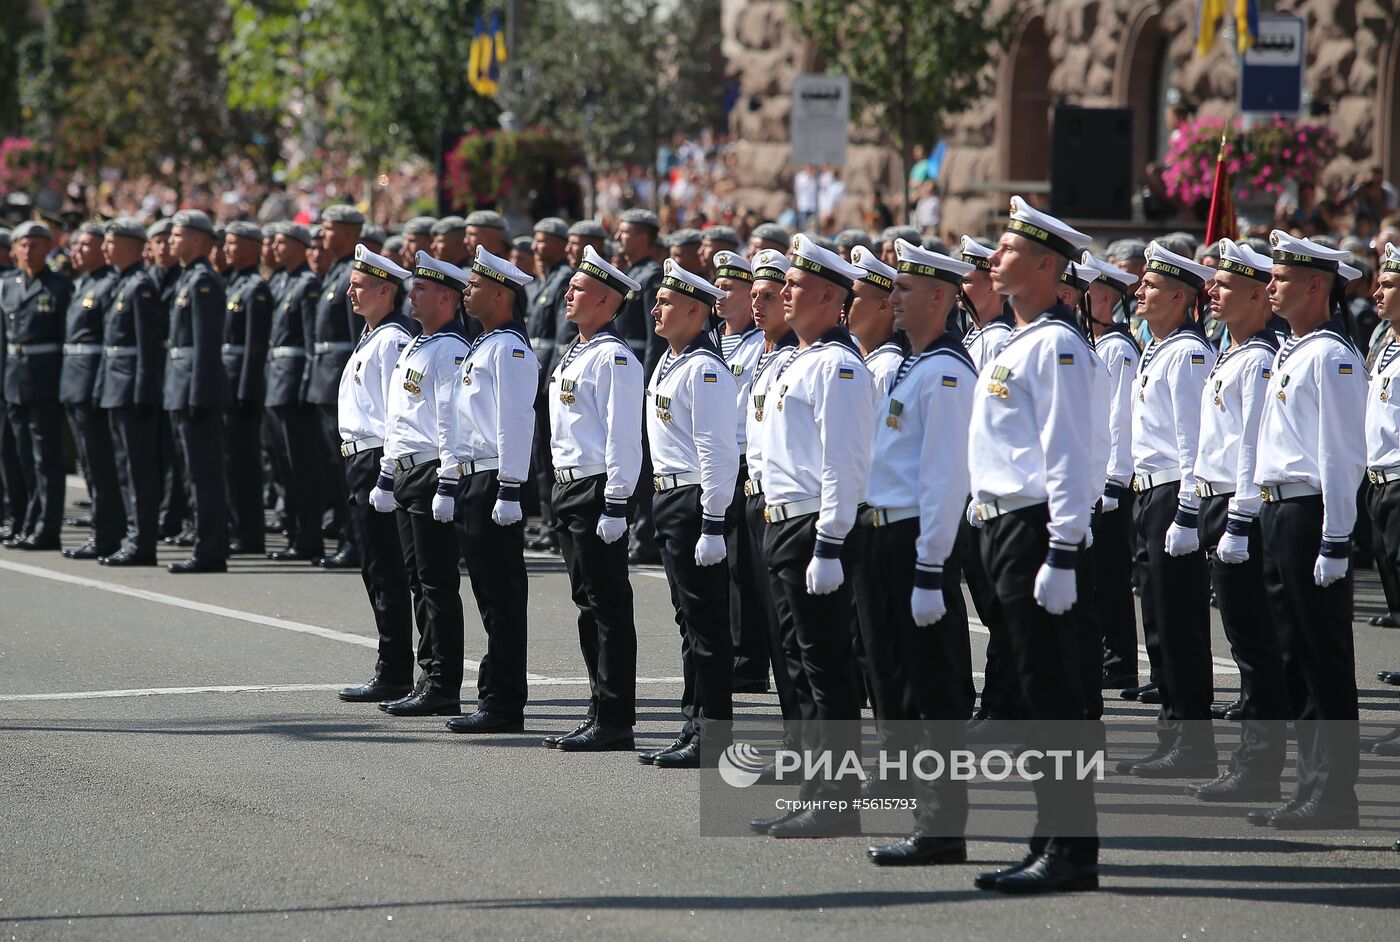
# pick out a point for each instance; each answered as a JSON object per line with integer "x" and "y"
{"x": 194, "y": 372}
{"x": 133, "y": 340}
{"x": 546, "y": 315}
{"x": 335, "y": 325}
{"x": 82, "y": 336}
{"x": 33, "y": 310}
{"x": 634, "y": 321}
{"x": 286, "y": 376}
{"x": 247, "y": 324}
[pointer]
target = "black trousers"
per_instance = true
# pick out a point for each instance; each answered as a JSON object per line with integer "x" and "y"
{"x": 1254, "y": 644}
{"x": 38, "y": 431}
{"x": 12, "y": 478}
{"x": 820, "y": 628}
{"x": 1090, "y": 637}
{"x": 383, "y": 571}
{"x": 785, "y": 675}
{"x": 641, "y": 537}
{"x": 919, "y": 675}
{"x": 93, "y": 435}
{"x": 244, "y": 474}
{"x": 1383, "y": 507}
{"x": 1319, "y": 660}
{"x": 297, "y": 433}
{"x": 856, "y": 560}
{"x": 1001, "y": 691}
{"x": 1114, "y": 607}
{"x": 700, "y": 596}
{"x": 1043, "y": 651}
{"x": 496, "y": 569}
{"x": 202, "y": 447}
{"x": 542, "y": 469}
{"x": 430, "y": 562}
{"x": 328, "y": 445}
{"x": 602, "y": 591}
{"x": 136, "y": 448}
{"x": 176, "y": 509}
{"x": 747, "y": 618}
{"x": 1176, "y": 612}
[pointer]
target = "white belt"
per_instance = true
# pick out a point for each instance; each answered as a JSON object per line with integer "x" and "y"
{"x": 669, "y": 482}
{"x": 32, "y": 349}
{"x": 331, "y": 346}
{"x": 753, "y": 487}
{"x": 82, "y": 349}
{"x": 777, "y": 513}
{"x": 1382, "y": 475}
{"x": 281, "y": 353}
{"x": 1276, "y": 492}
{"x": 116, "y": 353}
{"x": 235, "y": 348}
{"x": 468, "y": 468}
{"x": 884, "y": 516}
{"x": 415, "y": 459}
{"x": 1146, "y": 482}
{"x": 568, "y": 475}
{"x": 991, "y": 509}
{"x": 364, "y": 444}
{"x": 179, "y": 353}
{"x": 1207, "y": 489}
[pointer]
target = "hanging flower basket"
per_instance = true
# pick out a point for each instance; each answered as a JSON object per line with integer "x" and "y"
{"x": 1262, "y": 161}
{"x": 488, "y": 169}
{"x": 19, "y": 164}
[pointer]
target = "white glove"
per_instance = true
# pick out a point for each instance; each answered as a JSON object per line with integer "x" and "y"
{"x": 382, "y": 500}
{"x": 506, "y": 512}
{"x": 1055, "y": 589}
{"x": 710, "y": 549}
{"x": 1088, "y": 537}
{"x": 824, "y": 576}
{"x": 1328, "y": 569}
{"x": 1182, "y": 541}
{"x": 443, "y": 508}
{"x": 1232, "y": 549}
{"x": 1109, "y": 504}
{"x": 972, "y": 518}
{"x": 611, "y": 529}
{"x": 927, "y": 606}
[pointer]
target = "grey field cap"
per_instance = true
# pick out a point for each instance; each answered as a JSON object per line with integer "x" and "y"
{"x": 588, "y": 229}
{"x": 772, "y": 232}
{"x": 553, "y": 226}
{"x": 683, "y": 237}
{"x": 343, "y": 213}
{"x": 487, "y": 219}
{"x": 724, "y": 235}
{"x": 293, "y": 230}
{"x": 447, "y": 225}
{"x": 126, "y": 228}
{"x": 641, "y": 217}
{"x": 193, "y": 219}
{"x": 157, "y": 228}
{"x": 375, "y": 235}
{"x": 29, "y": 229}
{"x": 244, "y": 230}
{"x": 419, "y": 226}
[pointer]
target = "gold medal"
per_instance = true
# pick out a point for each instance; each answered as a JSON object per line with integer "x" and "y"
{"x": 896, "y": 409}
{"x": 1385, "y": 396}
{"x": 1282, "y": 396}
{"x": 412, "y": 388}
{"x": 663, "y": 408}
{"x": 566, "y": 391}
{"x": 997, "y": 387}
{"x": 758, "y": 415}
{"x": 892, "y": 421}
{"x": 758, "y": 407}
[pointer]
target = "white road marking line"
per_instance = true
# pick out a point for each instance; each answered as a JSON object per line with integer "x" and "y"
{"x": 164, "y": 691}
{"x": 268, "y": 621}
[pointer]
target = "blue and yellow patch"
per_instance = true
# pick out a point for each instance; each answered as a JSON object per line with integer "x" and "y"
{"x": 846, "y": 372}
{"x": 1198, "y": 359}
{"x": 1268, "y": 373}
{"x": 1344, "y": 369}
{"x": 950, "y": 381}
{"x": 1067, "y": 359}
{"x": 712, "y": 377}
{"x": 619, "y": 361}
{"x": 518, "y": 353}
{"x": 458, "y": 361}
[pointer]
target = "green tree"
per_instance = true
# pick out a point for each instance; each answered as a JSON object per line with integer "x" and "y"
{"x": 912, "y": 63}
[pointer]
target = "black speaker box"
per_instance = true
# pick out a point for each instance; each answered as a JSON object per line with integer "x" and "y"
{"x": 1091, "y": 163}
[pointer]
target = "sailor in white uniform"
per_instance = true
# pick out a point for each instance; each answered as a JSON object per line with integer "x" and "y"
{"x": 989, "y": 322}
{"x": 1382, "y": 446}
{"x": 871, "y": 319}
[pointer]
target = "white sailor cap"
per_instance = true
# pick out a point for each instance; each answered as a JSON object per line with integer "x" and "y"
{"x": 599, "y": 269}
{"x": 1390, "y": 258}
{"x": 439, "y": 272}
{"x": 1046, "y": 229}
{"x": 976, "y": 254}
{"x": 1167, "y": 263}
{"x": 770, "y": 265}
{"x": 1079, "y": 275}
{"x": 732, "y": 265}
{"x": 1291, "y": 250}
{"x": 1108, "y": 273}
{"x": 1242, "y": 260}
{"x": 378, "y": 266}
{"x": 499, "y": 270}
{"x": 676, "y": 278}
{"x": 916, "y": 260}
{"x": 824, "y": 263}
{"x": 873, "y": 271}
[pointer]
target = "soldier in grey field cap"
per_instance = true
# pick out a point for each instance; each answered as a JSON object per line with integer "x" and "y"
{"x": 637, "y": 235}
{"x": 769, "y": 235}
{"x": 546, "y": 310}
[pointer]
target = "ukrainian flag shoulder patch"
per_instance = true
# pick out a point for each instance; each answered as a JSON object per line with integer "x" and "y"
{"x": 619, "y": 360}
{"x": 846, "y": 372}
{"x": 1344, "y": 369}
{"x": 1198, "y": 359}
{"x": 1066, "y": 359}
{"x": 712, "y": 377}
{"x": 518, "y": 353}
{"x": 458, "y": 361}
{"x": 950, "y": 381}
{"x": 1268, "y": 373}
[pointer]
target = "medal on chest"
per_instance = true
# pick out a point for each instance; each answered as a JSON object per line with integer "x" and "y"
{"x": 1282, "y": 383}
{"x": 89, "y": 302}
{"x": 182, "y": 299}
{"x": 358, "y": 364}
{"x": 467, "y": 375}
{"x": 758, "y": 406}
{"x": 45, "y": 304}
{"x": 330, "y": 295}
{"x": 1142, "y": 388}
{"x": 896, "y": 410}
{"x": 1385, "y": 389}
{"x": 737, "y": 369}
{"x": 412, "y": 382}
{"x": 663, "y": 408}
{"x": 997, "y": 387}
{"x": 566, "y": 391}
{"x": 782, "y": 391}
{"x": 1218, "y": 383}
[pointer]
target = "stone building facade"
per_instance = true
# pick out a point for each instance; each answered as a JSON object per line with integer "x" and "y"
{"x": 1093, "y": 53}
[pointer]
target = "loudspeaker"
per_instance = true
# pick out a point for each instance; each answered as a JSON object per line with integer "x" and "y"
{"x": 1091, "y": 163}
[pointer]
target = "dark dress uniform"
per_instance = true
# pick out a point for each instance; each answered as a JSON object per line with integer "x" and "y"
{"x": 15, "y": 495}
{"x": 545, "y": 312}
{"x": 247, "y": 324}
{"x": 129, "y": 389}
{"x": 175, "y": 497}
{"x": 33, "y": 313}
{"x": 194, "y": 396}
{"x": 295, "y": 426}
{"x": 333, "y": 329}
{"x": 82, "y": 353}
{"x": 635, "y": 325}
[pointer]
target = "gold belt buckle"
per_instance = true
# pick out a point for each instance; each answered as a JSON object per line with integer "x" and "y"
{"x": 1137, "y": 483}
{"x": 656, "y": 483}
{"x": 767, "y": 515}
{"x": 1264, "y": 495}
{"x": 982, "y": 512}
{"x": 1374, "y": 476}
{"x": 877, "y": 518}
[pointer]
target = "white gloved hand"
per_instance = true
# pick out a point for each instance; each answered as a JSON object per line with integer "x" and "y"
{"x": 1182, "y": 541}
{"x": 444, "y": 506}
{"x": 1328, "y": 569}
{"x": 382, "y": 500}
{"x": 506, "y": 512}
{"x": 709, "y": 549}
{"x": 611, "y": 529}
{"x": 927, "y": 606}
{"x": 1109, "y": 504}
{"x": 973, "y": 520}
{"x": 1055, "y": 589}
{"x": 824, "y": 576}
{"x": 1232, "y": 549}
{"x": 1088, "y": 537}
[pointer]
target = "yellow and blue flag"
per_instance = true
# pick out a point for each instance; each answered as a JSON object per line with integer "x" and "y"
{"x": 487, "y": 54}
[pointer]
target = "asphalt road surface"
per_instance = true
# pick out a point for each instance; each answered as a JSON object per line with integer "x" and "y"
{"x": 174, "y": 764}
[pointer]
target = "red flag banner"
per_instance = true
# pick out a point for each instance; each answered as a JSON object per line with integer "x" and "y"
{"x": 1220, "y": 224}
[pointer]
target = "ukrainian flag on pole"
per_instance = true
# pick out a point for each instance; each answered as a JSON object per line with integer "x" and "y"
{"x": 1211, "y": 12}
{"x": 488, "y": 52}
{"x": 1246, "y": 23}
